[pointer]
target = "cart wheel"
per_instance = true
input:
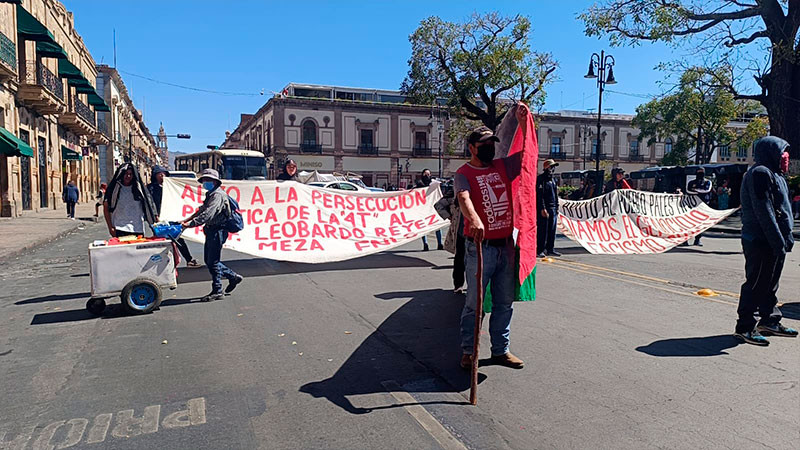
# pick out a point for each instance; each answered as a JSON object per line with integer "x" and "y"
{"x": 141, "y": 296}
{"x": 96, "y": 306}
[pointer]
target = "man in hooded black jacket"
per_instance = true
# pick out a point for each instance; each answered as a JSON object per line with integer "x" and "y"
{"x": 766, "y": 238}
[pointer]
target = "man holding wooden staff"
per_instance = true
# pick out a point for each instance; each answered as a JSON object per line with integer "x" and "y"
{"x": 483, "y": 189}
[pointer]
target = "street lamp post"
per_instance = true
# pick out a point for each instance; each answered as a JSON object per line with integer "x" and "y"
{"x": 439, "y": 116}
{"x": 601, "y": 62}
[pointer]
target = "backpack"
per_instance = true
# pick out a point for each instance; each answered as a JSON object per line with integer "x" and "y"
{"x": 235, "y": 222}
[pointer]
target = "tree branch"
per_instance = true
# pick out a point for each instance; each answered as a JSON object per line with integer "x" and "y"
{"x": 747, "y": 40}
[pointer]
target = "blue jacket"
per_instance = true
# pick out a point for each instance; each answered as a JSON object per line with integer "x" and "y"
{"x": 71, "y": 193}
{"x": 766, "y": 210}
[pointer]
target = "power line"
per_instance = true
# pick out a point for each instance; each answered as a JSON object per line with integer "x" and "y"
{"x": 189, "y": 88}
{"x": 646, "y": 96}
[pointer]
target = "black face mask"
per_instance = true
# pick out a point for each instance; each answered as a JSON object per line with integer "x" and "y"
{"x": 426, "y": 179}
{"x": 486, "y": 153}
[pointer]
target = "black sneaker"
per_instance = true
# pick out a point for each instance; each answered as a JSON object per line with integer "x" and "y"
{"x": 540, "y": 255}
{"x": 425, "y": 247}
{"x": 752, "y": 337}
{"x": 233, "y": 283}
{"x": 213, "y": 296}
{"x": 777, "y": 330}
{"x": 553, "y": 253}
{"x": 440, "y": 247}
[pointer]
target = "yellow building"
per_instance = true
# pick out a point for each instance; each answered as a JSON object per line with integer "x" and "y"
{"x": 48, "y": 106}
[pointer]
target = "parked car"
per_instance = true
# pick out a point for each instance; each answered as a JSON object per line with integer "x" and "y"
{"x": 341, "y": 185}
{"x": 361, "y": 184}
{"x": 183, "y": 174}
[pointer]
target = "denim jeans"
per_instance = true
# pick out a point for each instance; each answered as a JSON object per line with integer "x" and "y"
{"x": 70, "y": 209}
{"x": 498, "y": 267}
{"x": 212, "y": 252}
{"x": 438, "y": 238}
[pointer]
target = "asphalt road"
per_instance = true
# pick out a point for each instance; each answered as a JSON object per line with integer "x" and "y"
{"x": 620, "y": 354}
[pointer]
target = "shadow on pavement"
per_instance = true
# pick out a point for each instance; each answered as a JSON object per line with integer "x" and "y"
{"x": 791, "y": 310}
{"x": 259, "y": 267}
{"x": 693, "y": 249}
{"x": 112, "y": 311}
{"x": 420, "y": 338}
{"x": 694, "y": 346}
{"x": 53, "y": 298}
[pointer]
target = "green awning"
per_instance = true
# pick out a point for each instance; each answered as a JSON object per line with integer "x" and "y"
{"x": 68, "y": 70}
{"x": 50, "y": 50}
{"x": 102, "y": 108}
{"x": 96, "y": 101}
{"x": 31, "y": 29}
{"x": 11, "y": 145}
{"x": 69, "y": 154}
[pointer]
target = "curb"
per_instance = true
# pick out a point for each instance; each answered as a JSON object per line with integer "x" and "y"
{"x": 17, "y": 252}
{"x": 738, "y": 231}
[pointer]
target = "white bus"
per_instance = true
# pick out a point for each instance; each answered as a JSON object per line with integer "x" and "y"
{"x": 231, "y": 164}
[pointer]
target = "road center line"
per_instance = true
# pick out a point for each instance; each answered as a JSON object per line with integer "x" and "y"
{"x": 429, "y": 423}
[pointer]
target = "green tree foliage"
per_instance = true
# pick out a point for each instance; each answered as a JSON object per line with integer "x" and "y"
{"x": 698, "y": 113}
{"x": 722, "y": 31}
{"x": 480, "y": 67}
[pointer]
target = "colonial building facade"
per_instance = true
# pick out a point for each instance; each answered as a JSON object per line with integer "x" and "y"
{"x": 376, "y": 134}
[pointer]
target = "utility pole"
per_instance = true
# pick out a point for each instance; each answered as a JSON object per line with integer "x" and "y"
{"x": 601, "y": 62}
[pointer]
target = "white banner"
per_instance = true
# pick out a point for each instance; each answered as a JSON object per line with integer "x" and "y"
{"x": 291, "y": 221}
{"x": 628, "y": 221}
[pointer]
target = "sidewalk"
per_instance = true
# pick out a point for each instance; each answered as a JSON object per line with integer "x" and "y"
{"x": 31, "y": 230}
{"x": 733, "y": 225}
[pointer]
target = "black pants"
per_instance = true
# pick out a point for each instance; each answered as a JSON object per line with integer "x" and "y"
{"x": 70, "y": 209}
{"x": 762, "y": 273}
{"x": 546, "y": 230}
{"x": 183, "y": 247}
{"x": 458, "y": 262}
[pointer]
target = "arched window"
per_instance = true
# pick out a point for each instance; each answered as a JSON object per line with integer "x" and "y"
{"x": 309, "y": 133}
{"x": 667, "y": 145}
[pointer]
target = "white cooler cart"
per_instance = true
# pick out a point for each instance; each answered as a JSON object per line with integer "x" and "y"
{"x": 137, "y": 272}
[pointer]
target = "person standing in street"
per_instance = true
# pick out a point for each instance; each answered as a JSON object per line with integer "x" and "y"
{"x": 448, "y": 208}
{"x": 289, "y": 171}
{"x": 766, "y": 238}
{"x": 423, "y": 182}
{"x": 617, "y": 181}
{"x": 701, "y": 188}
{"x": 99, "y": 199}
{"x": 156, "y": 189}
{"x": 723, "y": 195}
{"x": 547, "y": 205}
{"x": 70, "y": 196}
{"x": 127, "y": 204}
{"x": 212, "y": 214}
{"x": 483, "y": 190}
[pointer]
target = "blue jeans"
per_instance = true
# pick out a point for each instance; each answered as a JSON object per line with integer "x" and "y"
{"x": 498, "y": 267}
{"x": 438, "y": 238}
{"x": 212, "y": 253}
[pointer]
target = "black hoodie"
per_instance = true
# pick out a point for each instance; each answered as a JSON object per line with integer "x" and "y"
{"x": 766, "y": 210}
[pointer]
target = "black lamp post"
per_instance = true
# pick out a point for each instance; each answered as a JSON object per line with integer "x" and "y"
{"x": 439, "y": 116}
{"x": 601, "y": 62}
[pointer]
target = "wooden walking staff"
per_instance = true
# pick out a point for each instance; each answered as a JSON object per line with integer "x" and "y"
{"x": 473, "y": 390}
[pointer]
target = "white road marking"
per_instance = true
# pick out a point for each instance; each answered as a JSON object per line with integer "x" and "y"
{"x": 429, "y": 423}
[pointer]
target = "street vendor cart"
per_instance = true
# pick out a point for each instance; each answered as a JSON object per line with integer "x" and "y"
{"x": 137, "y": 270}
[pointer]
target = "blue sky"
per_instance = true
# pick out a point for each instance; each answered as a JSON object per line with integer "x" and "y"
{"x": 247, "y": 46}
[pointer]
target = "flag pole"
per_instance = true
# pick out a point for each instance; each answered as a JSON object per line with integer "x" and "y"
{"x": 473, "y": 390}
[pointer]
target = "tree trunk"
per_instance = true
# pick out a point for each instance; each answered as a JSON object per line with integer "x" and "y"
{"x": 783, "y": 104}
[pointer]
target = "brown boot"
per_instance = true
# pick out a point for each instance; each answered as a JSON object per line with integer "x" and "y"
{"x": 508, "y": 360}
{"x": 466, "y": 361}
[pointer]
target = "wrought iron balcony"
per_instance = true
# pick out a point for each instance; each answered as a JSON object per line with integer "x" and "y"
{"x": 8, "y": 54}
{"x": 49, "y": 80}
{"x": 40, "y": 88}
{"x": 558, "y": 155}
{"x": 422, "y": 151}
{"x": 635, "y": 157}
{"x": 102, "y": 127}
{"x": 83, "y": 111}
{"x": 367, "y": 149}
{"x": 310, "y": 147}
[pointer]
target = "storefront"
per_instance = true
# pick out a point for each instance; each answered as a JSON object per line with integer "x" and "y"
{"x": 311, "y": 163}
{"x": 374, "y": 171}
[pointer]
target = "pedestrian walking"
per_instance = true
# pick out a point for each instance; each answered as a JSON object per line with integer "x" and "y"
{"x": 423, "y": 182}
{"x": 99, "y": 199}
{"x": 701, "y": 188}
{"x": 156, "y": 189}
{"x": 213, "y": 214}
{"x": 70, "y": 196}
{"x": 723, "y": 195}
{"x": 617, "y": 181}
{"x": 766, "y": 238}
{"x": 289, "y": 171}
{"x": 454, "y": 241}
{"x": 547, "y": 205}
{"x": 127, "y": 204}
{"x": 483, "y": 189}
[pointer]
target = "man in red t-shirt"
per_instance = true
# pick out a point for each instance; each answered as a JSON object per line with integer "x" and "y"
{"x": 483, "y": 189}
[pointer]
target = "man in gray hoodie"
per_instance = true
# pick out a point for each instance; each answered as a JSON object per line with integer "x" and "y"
{"x": 766, "y": 238}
